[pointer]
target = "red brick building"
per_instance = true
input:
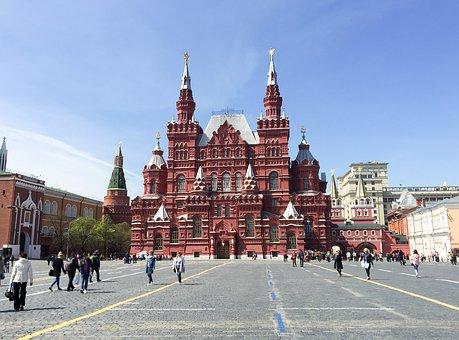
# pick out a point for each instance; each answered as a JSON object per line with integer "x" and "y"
{"x": 361, "y": 231}
{"x": 226, "y": 191}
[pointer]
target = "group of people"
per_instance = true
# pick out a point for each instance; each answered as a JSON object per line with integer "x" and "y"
{"x": 178, "y": 266}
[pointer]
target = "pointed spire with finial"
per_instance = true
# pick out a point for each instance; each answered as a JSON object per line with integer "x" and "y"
{"x": 360, "y": 192}
{"x": 186, "y": 79}
{"x": 333, "y": 187}
{"x": 157, "y": 160}
{"x": 118, "y": 181}
{"x": 3, "y": 156}
{"x": 272, "y": 75}
{"x": 250, "y": 184}
{"x": 200, "y": 181}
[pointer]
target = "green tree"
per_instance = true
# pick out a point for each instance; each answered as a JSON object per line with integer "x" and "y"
{"x": 103, "y": 233}
{"x": 81, "y": 233}
{"x": 121, "y": 238}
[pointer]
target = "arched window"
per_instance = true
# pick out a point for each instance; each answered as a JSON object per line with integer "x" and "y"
{"x": 238, "y": 152}
{"x": 197, "y": 229}
{"x": 91, "y": 213}
{"x": 226, "y": 182}
{"x": 44, "y": 231}
{"x": 214, "y": 153}
{"x": 85, "y": 212}
{"x": 174, "y": 235}
{"x": 158, "y": 242}
{"x": 305, "y": 184}
{"x": 274, "y": 234}
{"x": 273, "y": 181}
{"x": 291, "y": 241}
{"x": 47, "y": 208}
{"x": 203, "y": 154}
{"x": 74, "y": 211}
{"x": 68, "y": 210}
{"x": 348, "y": 233}
{"x": 152, "y": 187}
{"x": 214, "y": 183}
{"x": 51, "y": 231}
{"x": 238, "y": 182}
{"x": 54, "y": 208}
{"x": 356, "y": 233}
{"x": 249, "y": 226}
{"x": 181, "y": 183}
{"x": 365, "y": 233}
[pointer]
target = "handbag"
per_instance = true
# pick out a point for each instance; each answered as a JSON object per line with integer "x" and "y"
{"x": 364, "y": 264}
{"x": 9, "y": 294}
{"x": 51, "y": 272}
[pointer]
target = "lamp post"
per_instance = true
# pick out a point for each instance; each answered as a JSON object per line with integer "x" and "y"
{"x": 307, "y": 230}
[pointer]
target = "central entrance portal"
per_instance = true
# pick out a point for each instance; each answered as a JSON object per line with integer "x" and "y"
{"x": 223, "y": 250}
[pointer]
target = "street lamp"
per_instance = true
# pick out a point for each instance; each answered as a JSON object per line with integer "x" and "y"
{"x": 307, "y": 230}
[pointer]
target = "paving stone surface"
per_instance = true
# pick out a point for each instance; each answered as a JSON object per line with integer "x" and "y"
{"x": 243, "y": 299}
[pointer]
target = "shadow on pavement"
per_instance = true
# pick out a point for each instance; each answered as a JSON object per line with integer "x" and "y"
{"x": 30, "y": 309}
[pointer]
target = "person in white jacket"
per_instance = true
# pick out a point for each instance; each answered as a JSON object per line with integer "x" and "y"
{"x": 178, "y": 266}
{"x": 22, "y": 272}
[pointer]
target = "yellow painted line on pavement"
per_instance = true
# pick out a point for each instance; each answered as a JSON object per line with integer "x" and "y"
{"x": 111, "y": 307}
{"x": 422, "y": 297}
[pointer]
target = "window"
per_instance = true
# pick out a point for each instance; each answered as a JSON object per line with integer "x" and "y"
{"x": 356, "y": 233}
{"x": 152, "y": 188}
{"x": 27, "y": 215}
{"x": 249, "y": 226}
{"x": 158, "y": 242}
{"x": 373, "y": 233}
{"x": 181, "y": 183}
{"x": 196, "y": 254}
{"x": 54, "y": 208}
{"x": 74, "y": 211}
{"x": 91, "y": 213}
{"x": 291, "y": 241}
{"x": 365, "y": 233}
{"x": 227, "y": 210}
{"x": 238, "y": 182}
{"x": 44, "y": 230}
{"x": 273, "y": 181}
{"x": 47, "y": 207}
{"x": 51, "y": 231}
{"x": 274, "y": 202}
{"x": 85, "y": 212}
{"x": 305, "y": 184}
{"x": 219, "y": 210}
{"x": 226, "y": 182}
{"x": 68, "y": 210}
{"x": 197, "y": 229}
{"x": 213, "y": 182}
{"x": 274, "y": 234}
{"x": 348, "y": 233}
{"x": 174, "y": 235}
{"x": 333, "y": 233}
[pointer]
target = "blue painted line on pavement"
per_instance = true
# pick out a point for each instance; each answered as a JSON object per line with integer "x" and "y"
{"x": 280, "y": 322}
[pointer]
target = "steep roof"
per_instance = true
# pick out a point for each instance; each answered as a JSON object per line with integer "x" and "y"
{"x": 238, "y": 121}
{"x": 117, "y": 181}
{"x": 290, "y": 212}
{"x": 360, "y": 192}
{"x": 333, "y": 188}
{"x": 161, "y": 214}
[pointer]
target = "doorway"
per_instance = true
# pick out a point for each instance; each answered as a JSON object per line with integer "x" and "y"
{"x": 24, "y": 242}
{"x": 223, "y": 250}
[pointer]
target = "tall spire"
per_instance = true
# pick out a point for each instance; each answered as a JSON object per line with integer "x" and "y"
{"x": 333, "y": 187}
{"x": 3, "y": 156}
{"x": 157, "y": 159}
{"x": 117, "y": 181}
{"x": 360, "y": 192}
{"x": 272, "y": 100}
{"x": 186, "y": 79}
{"x": 250, "y": 184}
{"x": 272, "y": 75}
{"x": 200, "y": 181}
{"x": 185, "y": 104}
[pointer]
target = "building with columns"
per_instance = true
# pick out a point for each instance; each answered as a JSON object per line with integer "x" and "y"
{"x": 226, "y": 191}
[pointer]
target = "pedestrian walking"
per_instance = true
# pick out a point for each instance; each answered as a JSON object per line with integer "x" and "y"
{"x": 366, "y": 261}
{"x": 49, "y": 259}
{"x": 338, "y": 264}
{"x": 21, "y": 273}
{"x": 348, "y": 256}
{"x": 6, "y": 263}
{"x": 151, "y": 265}
{"x": 2, "y": 270}
{"x": 71, "y": 271}
{"x": 178, "y": 266}
{"x": 294, "y": 259}
{"x": 58, "y": 269}
{"x": 285, "y": 257}
{"x": 95, "y": 260}
{"x": 301, "y": 257}
{"x": 85, "y": 270}
{"x": 415, "y": 262}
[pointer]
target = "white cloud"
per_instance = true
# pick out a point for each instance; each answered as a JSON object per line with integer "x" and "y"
{"x": 60, "y": 164}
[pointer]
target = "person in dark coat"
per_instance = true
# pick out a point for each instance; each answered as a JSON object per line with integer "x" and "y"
{"x": 85, "y": 270}
{"x": 301, "y": 256}
{"x": 366, "y": 260}
{"x": 95, "y": 260}
{"x": 71, "y": 271}
{"x": 338, "y": 265}
{"x": 58, "y": 268}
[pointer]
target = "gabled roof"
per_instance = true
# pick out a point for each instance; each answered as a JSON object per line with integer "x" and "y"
{"x": 290, "y": 212}
{"x": 238, "y": 121}
{"x": 360, "y": 192}
{"x": 161, "y": 214}
{"x": 200, "y": 173}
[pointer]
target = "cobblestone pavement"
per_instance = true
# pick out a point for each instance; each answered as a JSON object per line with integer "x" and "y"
{"x": 250, "y": 299}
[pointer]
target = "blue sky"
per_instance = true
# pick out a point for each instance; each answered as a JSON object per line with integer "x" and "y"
{"x": 370, "y": 80}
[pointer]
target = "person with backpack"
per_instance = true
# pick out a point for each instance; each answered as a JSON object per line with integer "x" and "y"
{"x": 95, "y": 260}
{"x": 58, "y": 269}
{"x": 178, "y": 266}
{"x": 338, "y": 264}
{"x": 151, "y": 265}
{"x": 71, "y": 271}
{"x": 415, "y": 262}
{"x": 21, "y": 273}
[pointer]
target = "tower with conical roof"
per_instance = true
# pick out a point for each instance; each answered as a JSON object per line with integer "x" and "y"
{"x": 116, "y": 202}
{"x": 155, "y": 172}
{"x": 185, "y": 104}
{"x": 3, "y": 156}
{"x": 337, "y": 210}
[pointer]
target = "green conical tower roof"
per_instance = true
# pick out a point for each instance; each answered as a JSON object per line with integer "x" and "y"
{"x": 118, "y": 181}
